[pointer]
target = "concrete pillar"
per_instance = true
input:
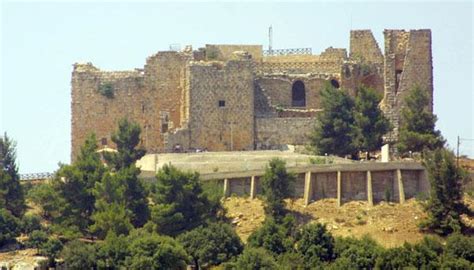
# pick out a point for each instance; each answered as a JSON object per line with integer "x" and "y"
{"x": 308, "y": 188}
{"x": 253, "y": 187}
{"x": 401, "y": 190}
{"x": 339, "y": 187}
{"x": 226, "y": 188}
{"x": 370, "y": 195}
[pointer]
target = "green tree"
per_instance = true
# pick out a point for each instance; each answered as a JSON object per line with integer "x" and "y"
{"x": 127, "y": 138}
{"x": 315, "y": 243}
{"x": 181, "y": 204}
{"x": 113, "y": 252}
{"x": 75, "y": 184}
{"x": 36, "y": 239}
{"x": 335, "y": 129}
{"x": 11, "y": 192}
{"x": 362, "y": 253}
{"x": 460, "y": 246}
{"x": 51, "y": 249}
{"x": 132, "y": 191}
{"x": 29, "y": 223}
{"x": 111, "y": 217}
{"x": 9, "y": 227}
{"x": 78, "y": 255}
{"x": 417, "y": 124}
{"x": 369, "y": 119}
{"x": 277, "y": 184}
{"x": 255, "y": 258}
{"x": 291, "y": 261}
{"x": 45, "y": 196}
{"x": 272, "y": 237}
{"x": 211, "y": 245}
{"x": 151, "y": 251}
{"x": 445, "y": 204}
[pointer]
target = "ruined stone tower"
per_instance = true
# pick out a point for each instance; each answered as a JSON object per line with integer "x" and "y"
{"x": 240, "y": 97}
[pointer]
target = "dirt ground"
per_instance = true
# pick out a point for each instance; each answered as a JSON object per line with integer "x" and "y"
{"x": 389, "y": 224}
{"x": 20, "y": 259}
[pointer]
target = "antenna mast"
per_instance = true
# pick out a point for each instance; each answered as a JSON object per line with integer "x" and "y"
{"x": 270, "y": 39}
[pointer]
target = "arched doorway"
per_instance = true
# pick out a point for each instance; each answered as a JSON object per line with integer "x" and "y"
{"x": 298, "y": 95}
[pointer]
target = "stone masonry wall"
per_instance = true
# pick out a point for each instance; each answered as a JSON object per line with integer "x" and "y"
{"x": 225, "y": 52}
{"x": 93, "y": 112}
{"x": 228, "y": 127}
{"x": 408, "y": 63}
{"x": 273, "y": 133}
{"x": 364, "y": 46}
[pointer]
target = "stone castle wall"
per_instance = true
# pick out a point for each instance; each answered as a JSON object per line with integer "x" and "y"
{"x": 274, "y": 133}
{"x": 226, "y": 126}
{"x": 233, "y": 97}
{"x": 408, "y": 63}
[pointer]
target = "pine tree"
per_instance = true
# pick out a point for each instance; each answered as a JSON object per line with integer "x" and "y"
{"x": 417, "y": 124}
{"x": 370, "y": 122}
{"x": 277, "y": 185}
{"x": 127, "y": 138}
{"x": 445, "y": 205}
{"x": 128, "y": 190}
{"x": 75, "y": 184}
{"x": 180, "y": 202}
{"x": 11, "y": 192}
{"x": 335, "y": 127}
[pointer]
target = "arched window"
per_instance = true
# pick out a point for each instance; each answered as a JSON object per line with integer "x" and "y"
{"x": 335, "y": 83}
{"x": 298, "y": 94}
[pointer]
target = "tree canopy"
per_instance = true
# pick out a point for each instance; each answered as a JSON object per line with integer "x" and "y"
{"x": 417, "y": 124}
{"x": 180, "y": 203}
{"x": 335, "y": 126}
{"x": 11, "y": 192}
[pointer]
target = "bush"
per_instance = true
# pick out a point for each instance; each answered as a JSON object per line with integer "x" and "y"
{"x": 315, "y": 243}
{"x": 79, "y": 255}
{"x": 272, "y": 237}
{"x": 460, "y": 246}
{"x": 36, "y": 239}
{"x": 51, "y": 249}
{"x": 255, "y": 258}
{"x": 151, "y": 251}
{"x": 361, "y": 253}
{"x": 107, "y": 90}
{"x": 30, "y": 223}
{"x": 113, "y": 252}
{"x": 9, "y": 227}
{"x": 211, "y": 245}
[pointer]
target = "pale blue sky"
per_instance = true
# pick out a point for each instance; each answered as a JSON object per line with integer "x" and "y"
{"x": 40, "y": 42}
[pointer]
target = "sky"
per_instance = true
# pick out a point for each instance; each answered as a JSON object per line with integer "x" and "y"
{"x": 40, "y": 41}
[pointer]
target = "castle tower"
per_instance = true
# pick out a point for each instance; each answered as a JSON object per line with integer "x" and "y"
{"x": 408, "y": 63}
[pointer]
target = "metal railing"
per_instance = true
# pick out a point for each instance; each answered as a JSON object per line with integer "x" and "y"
{"x": 296, "y": 51}
{"x": 35, "y": 176}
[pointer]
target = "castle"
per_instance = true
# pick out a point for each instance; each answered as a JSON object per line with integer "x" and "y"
{"x": 240, "y": 97}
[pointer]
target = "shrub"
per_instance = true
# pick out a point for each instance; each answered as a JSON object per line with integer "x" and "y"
{"x": 315, "y": 243}
{"x": 272, "y": 237}
{"x": 255, "y": 258}
{"x": 36, "y": 239}
{"x": 107, "y": 90}
{"x": 79, "y": 255}
{"x": 211, "y": 245}
{"x": 30, "y": 223}
{"x": 9, "y": 227}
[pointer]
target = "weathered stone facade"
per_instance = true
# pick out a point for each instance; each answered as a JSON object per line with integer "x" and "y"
{"x": 239, "y": 97}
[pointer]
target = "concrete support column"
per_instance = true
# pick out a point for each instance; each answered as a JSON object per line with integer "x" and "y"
{"x": 253, "y": 187}
{"x": 308, "y": 188}
{"x": 339, "y": 187}
{"x": 226, "y": 188}
{"x": 401, "y": 190}
{"x": 370, "y": 195}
